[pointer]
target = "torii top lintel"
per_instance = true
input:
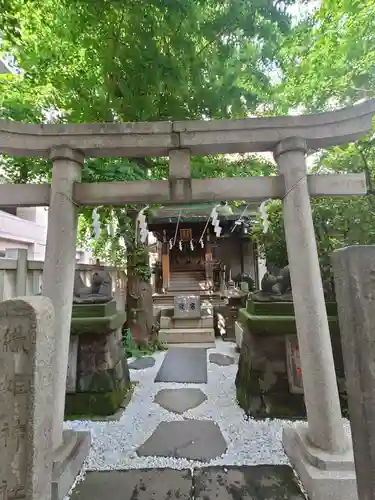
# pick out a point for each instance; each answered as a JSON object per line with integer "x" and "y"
{"x": 200, "y": 137}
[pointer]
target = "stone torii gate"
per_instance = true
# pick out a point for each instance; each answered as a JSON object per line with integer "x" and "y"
{"x": 321, "y": 446}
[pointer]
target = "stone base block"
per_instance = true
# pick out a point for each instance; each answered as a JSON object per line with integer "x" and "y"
{"x": 99, "y": 403}
{"x": 68, "y": 461}
{"x": 183, "y": 336}
{"x": 324, "y": 476}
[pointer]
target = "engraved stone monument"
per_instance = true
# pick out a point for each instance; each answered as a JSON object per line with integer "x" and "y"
{"x": 26, "y": 398}
{"x": 187, "y": 306}
{"x": 354, "y": 272}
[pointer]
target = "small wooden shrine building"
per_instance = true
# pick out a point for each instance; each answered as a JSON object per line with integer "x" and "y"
{"x": 192, "y": 257}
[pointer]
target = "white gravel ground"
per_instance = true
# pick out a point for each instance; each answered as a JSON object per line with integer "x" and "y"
{"x": 249, "y": 442}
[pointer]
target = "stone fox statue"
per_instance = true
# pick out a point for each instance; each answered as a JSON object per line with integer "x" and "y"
{"x": 274, "y": 285}
{"x": 99, "y": 291}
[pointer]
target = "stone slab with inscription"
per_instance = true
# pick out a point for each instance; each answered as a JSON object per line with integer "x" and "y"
{"x": 354, "y": 273}
{"x": 187, "y": 306}
{"x": 26, "y": 398}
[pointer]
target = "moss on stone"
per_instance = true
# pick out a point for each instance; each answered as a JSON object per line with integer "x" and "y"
{"x": 260, "y": 394}
{"x": 277, "y": 325}
{"x": 246, "y": 384}
{"x": 104, "y": 381}
{"x": 98, "y": 325}
{"x": 94, "y": 310}
{"x": 281, "y": 308}
{"x": 89, "y": 403}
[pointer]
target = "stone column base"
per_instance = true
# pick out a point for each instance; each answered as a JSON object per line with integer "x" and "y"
{"x": 68, "y": 460}
{"x": 324, "y": 476}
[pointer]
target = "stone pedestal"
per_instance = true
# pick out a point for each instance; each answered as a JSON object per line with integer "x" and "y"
{"x": 67, "y": 460}
{"x": 187, "y": 322}
{"x": 325, "y": 476}
{"x": 269, "y": 379}
{"x": 98, "y": 375}
{"x": 235, "y": 299}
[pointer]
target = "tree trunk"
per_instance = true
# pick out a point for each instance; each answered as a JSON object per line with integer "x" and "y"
{"x": 139, "y": 305}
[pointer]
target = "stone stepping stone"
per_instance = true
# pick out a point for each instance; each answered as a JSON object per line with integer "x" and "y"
{"x": 260, "y": 482}
{"x": 142, "y": 363}
{"x": 180, "y": 400}
{"x": 157, "y": 484}
{"x": 221, "y": 359}
{"x": 184, "y": 365}
{"x": 199, "y": 440}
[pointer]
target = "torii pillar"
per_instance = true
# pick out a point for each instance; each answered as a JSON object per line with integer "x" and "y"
{"x": 58, "y": 282}
{"x": 320, "y": 450}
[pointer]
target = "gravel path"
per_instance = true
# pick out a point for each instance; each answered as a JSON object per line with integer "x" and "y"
{"x": 249, "y": 442}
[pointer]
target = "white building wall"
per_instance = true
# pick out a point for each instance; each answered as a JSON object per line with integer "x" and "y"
{"x": 28, "y": 230}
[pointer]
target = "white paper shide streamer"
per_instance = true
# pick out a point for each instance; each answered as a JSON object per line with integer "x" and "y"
{"x": 264, "y": 215}
{"x": 96, "y": 224}
{"x": 216, "y": 222}
{"x": 142, "y": 225}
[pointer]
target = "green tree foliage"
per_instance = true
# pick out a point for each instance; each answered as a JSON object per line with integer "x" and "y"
{"x": 111, "y": 60}
{"x": 141, "y": 60}
{"x": 326, "y": 62}
{"x": 338, "y": 222}
{"x": 329, "y": 59}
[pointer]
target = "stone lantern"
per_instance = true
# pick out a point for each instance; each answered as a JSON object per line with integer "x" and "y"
{"x": 234, "y": 299}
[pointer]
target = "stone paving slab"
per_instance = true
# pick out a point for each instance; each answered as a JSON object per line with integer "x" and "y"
{"x": 152, "y": 484}
{"x": 221, "y": 359}
{"x": 259, "y": 482}
{"x": 184, "y": 365}
{"x": 180, "y": 400}
{"x": 191, "y": 439}
{"x": 142, "y": 363}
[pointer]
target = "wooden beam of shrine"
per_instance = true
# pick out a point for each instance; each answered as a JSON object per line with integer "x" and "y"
{"x": 202, "y": 190}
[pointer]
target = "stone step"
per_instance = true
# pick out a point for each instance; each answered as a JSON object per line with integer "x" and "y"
{"x": 192, "y": 279}
{"x": 184, "y": 336}
{"x": 186, "y": 323}
{"x": 258, "y": 482}
{"x": 187, "y": 273}
{"x": 187, "y": 288}
{"x": 186, "y": 283}
{"x": 186, "y": 279}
